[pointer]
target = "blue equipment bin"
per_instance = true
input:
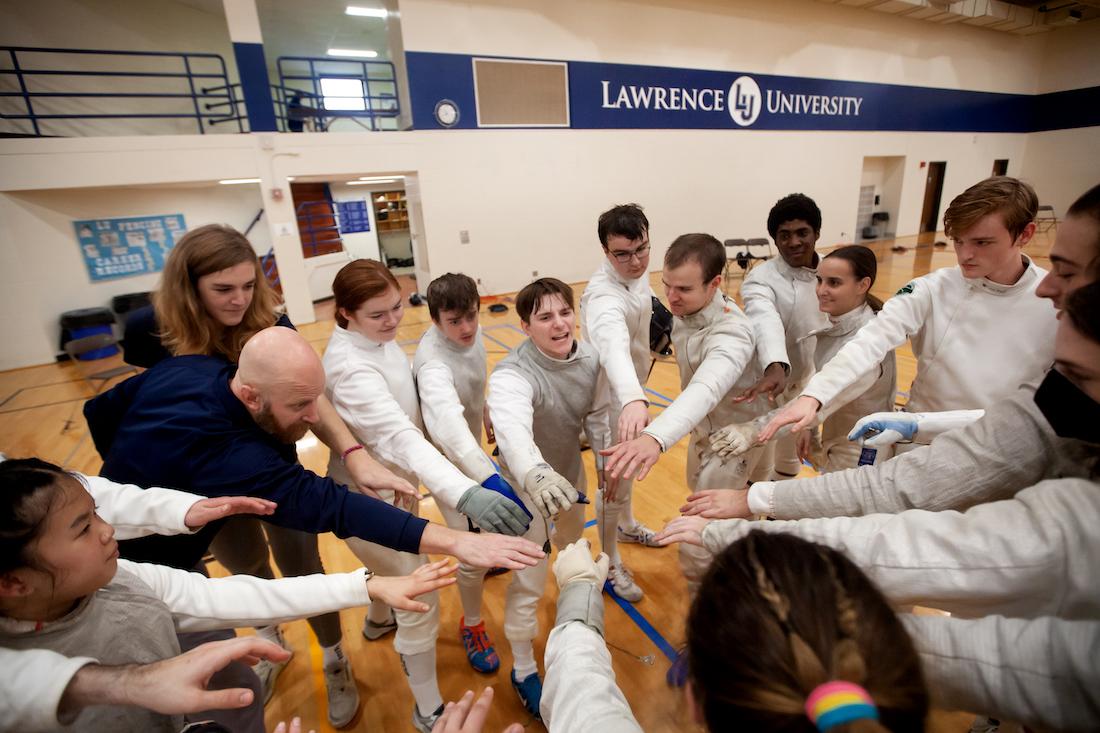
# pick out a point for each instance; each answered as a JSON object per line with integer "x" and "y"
{"x": 88, "y": 322}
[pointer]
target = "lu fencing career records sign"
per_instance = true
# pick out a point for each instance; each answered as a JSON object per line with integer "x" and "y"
{"x": 620, "y": 96}
{"x": 135, "y": 245}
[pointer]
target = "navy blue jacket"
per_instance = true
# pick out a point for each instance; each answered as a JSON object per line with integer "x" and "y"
{"x": 178, "y": 425}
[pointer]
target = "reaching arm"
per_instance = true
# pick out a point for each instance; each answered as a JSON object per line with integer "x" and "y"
{"x": 900, "y": 318}
{"x": 1021, "y": 557}
{"x": 993, "y": 458}
{"x": 1040, "y": 672}
{"x": 767, "y": 324}
{"x": 363, "y": 400}
{"x": 445, "y": 420}
{"x": 137, "y": 512}
{"x": 605, "y": 322}
{"x": 512, "y": 411}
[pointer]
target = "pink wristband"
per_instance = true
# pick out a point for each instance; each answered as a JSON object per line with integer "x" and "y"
{"x": 349, "y": 451}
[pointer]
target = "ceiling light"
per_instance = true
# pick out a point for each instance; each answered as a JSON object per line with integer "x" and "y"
{"x": 235, "y": 181}
{"x": 371, "y": 183}
{"x": 353, "y": 52}
{"x": 379, "y": 178}
{"x": 366, "y": 12}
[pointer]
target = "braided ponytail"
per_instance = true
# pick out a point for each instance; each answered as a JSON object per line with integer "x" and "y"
{"x": 776, "y": 618}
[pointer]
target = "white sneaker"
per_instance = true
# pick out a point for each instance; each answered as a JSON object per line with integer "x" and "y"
{"x": 343, "y": 695}
{"x": 639, "y": 535}
{"x": 373, "y": 631}
{"x": 984, "y": 724}
{"x": 268, "y": 672}
{"x": 425, "y": 723}
{"x": 622, "y": 582}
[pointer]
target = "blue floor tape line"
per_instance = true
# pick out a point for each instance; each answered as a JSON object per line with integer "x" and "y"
{"x": 590, "y": 523}
{"x": 647, "y": 628}
{"x": 496, "y": 341}
{"x": 655, "y": 393}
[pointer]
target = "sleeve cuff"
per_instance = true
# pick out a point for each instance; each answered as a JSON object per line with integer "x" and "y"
{"x": 760, "y": 498}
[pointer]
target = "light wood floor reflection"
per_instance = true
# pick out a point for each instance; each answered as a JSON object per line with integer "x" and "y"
{"x": 40, "y": 415}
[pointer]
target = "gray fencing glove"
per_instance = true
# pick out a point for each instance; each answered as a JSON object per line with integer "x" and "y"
{"x": 549, "y": 490}
{"x": 493, "y": 512}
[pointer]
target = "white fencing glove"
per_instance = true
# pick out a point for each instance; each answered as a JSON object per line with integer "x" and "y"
{"x": 549, "y": 490}
{"x": 897, "y": 426}
{"x": 494, "y": 512}
{"x": 580, "y": 580}
{"x": 734, "y": 439}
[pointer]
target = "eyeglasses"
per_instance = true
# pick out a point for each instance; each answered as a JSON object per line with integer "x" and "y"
{"x": 627, "y": 256}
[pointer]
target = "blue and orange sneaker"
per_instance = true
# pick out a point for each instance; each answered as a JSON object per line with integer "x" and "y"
{"x": 479, "y": 649}
{"x": 530, "y": 692}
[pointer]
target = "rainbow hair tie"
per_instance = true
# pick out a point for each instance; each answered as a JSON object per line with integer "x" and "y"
{"x": 838, "y": 702}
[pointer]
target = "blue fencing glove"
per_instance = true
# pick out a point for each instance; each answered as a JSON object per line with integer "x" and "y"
{"x": 885, "y": 428}
{"x": 497, "y": 483}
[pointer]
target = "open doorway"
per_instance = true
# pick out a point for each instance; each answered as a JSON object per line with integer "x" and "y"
{"x": 1000, "y": 167}
{"x": 933, "y": 190}
{"x": 879, "y": 197}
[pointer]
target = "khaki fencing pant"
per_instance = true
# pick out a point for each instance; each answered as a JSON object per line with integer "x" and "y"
{"x": 705, "y": 470}
{"x": 416, "y": 632}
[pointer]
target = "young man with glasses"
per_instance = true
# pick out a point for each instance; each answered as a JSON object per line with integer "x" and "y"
{"x": 616, "y": 308}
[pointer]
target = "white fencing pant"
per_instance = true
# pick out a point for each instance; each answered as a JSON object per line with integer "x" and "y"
{"x": 416, "y": 632}
{"x": 706, "y": 470}
{"x": 610, "y": 515}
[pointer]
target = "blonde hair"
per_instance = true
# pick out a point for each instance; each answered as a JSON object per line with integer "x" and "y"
{"x": 1012, "y": 198}
{"x": 185, "y": 326}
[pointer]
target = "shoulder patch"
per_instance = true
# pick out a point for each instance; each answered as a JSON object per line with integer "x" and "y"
{"x": 908, "y": 288}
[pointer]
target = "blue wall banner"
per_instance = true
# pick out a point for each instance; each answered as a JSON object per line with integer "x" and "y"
{"x": 135, "y": 245}
{"x": 622, "y": 96}
{"x": 354, "y": 216}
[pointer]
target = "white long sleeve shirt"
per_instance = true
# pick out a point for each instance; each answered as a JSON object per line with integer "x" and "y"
{"x": 781, "y": 302}
{"x": 33, "y": 683}
{"x": 1041, "y": 672}
{"x": 451, "y": 383}
{"x": 976, "y": 341}
{"x": 1028, "y": 556}
{"x": 615, "y": 316}
{"x": 715, "y": 354}
{"x": 137, "y": 512}
{"x": 580, "y": 693}
{"x": 371, "y": 386}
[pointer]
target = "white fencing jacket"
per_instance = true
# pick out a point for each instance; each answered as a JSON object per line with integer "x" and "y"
{"x": 1011, "y": 448}
{"x": 781, "y": 302}
{"x": 1042, "y": 672}
{"x": 615, "y": 316}
{"x": 371, "y": 386}
{"x": 580, "y": 694}
{"x": 714, "y": 351}
{"x": 451, "y": 383}
{"x": 976, "y": 342}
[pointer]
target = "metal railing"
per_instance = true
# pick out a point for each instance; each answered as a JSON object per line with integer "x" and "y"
{"x": 303, "y": 99}
{"x": 43, "y": 90}
{"x": 319, "y": 228}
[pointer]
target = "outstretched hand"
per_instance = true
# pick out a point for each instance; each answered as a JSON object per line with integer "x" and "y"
{"x": 204, "y": 511}
{"x": 467, "y": 716}
{"x": 771, "y": 384}
{"x": 372, "y": 478}
{"x": 799, "y": 414}
{"x": 688, "y": 530}
{"x": 631, "y": 459}
{"x": 632, "y": 419}
{"x": 399, "y": 591}
{"x": 488, "y": 550}
{"x": 718, "y": 504}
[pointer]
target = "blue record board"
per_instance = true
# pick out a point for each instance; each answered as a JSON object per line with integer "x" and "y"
{"x": 134, "y": 245}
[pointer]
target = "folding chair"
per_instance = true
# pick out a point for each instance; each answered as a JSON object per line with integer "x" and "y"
{"x": 1045, "y": 219}
{"x": 91, "y": 370}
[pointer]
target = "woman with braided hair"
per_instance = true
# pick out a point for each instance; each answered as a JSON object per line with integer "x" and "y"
{"x": 783, "y": 635}
{"x": 788, "y": 635}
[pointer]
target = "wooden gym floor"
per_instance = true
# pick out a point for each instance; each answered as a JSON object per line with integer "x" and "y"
{"x": 40, "y": 415}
